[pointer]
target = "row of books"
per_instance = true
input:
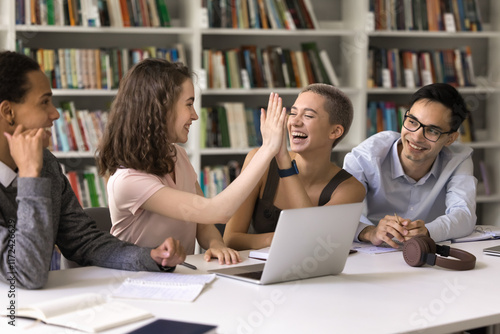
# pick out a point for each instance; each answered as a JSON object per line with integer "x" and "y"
{"x": 259, "y": 14}
{"x": 230, "y": 124}
{"x": 93, "y": 13}
{"x": 409, "y": 68}
{"x": 214, "y": 179}
{"x": 430, "y": 15}
{"x": 387, "y": 115}
{"x": 383, "y": 116}
{"x": 95, "y": 68}
{"x": 77, "y": 130}
{"x": 88, "y": 186}
{"x": 252, "y": 67}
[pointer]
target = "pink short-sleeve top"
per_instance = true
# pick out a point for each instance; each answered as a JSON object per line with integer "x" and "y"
{"x": 128, "y": 189}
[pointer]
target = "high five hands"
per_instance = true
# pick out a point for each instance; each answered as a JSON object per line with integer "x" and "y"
{"x": 273, "y": 124}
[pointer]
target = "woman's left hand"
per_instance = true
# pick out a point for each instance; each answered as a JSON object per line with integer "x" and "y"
{"x": 224, "y": 254}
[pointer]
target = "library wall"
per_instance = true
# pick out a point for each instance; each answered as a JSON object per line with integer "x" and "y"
{"x": 346, "y": 30}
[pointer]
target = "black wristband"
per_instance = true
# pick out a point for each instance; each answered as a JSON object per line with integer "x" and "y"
{"x": 290, "y": 171}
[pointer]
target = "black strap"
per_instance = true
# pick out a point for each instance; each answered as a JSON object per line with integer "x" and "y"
{"x": 271, "y": 183}
{"x": 273, "y": 180}
{"x": 327, "y": 192}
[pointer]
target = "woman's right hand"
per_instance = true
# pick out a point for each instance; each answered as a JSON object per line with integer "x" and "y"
{"x": 272, "y": 124}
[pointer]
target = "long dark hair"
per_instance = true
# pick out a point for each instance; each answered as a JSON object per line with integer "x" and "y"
{"x": 136, "y": 133}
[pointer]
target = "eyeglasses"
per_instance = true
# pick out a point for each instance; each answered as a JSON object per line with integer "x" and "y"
{"x": 430, "y": 132}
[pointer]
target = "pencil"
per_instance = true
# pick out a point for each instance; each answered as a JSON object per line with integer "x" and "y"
{"x": 185, "y": 264}
{"x": 397, "y": 218}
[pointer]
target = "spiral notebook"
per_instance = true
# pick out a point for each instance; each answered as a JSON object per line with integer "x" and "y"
{"x": 163, "y": 286}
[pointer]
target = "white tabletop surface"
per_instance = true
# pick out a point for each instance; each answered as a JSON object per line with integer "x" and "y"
{"x": 374, "y": 294}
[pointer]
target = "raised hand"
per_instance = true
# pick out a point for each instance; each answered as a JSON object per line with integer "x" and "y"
{"x": 272, "y": 124}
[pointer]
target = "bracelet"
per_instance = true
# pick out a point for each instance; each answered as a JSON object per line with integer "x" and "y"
{"x": 290, "y": 171}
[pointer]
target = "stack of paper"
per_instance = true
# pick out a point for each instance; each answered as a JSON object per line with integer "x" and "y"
{"x": 260, "y": 254}
{"x": 481, "y": 232}
{"x": 164, "y": 286}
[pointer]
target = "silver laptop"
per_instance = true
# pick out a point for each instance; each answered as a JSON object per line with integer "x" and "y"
{"x": 308, "y": 242}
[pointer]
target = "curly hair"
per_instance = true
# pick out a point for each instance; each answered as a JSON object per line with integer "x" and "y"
{"x": 136, "y": 133}
{"x": 13, "y": 79}
{"x": 337, "y": 105}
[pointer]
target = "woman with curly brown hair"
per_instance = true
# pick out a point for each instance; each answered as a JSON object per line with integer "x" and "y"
{"x": 153, "y": 190}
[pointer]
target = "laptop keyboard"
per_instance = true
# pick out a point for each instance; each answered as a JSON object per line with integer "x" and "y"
{"x": 253, "y": 274}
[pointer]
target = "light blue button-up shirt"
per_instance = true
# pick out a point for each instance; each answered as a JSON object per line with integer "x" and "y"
{"x": 445, "y": 198}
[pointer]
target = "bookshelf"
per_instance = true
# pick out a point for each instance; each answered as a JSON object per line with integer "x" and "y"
{"x": 344, "y": 32}
{"x": 339, "y": 34}
{"x": 60, "y": 37}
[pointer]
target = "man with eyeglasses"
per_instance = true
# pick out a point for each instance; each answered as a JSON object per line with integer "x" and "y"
{"x": 417, "y": 182}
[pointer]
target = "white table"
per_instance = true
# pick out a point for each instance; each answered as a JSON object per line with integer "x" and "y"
{"x": 374, "y": 294}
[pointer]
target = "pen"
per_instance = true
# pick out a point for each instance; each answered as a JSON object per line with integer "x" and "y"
{"x": 397, "y": 218}
{"x": 190, "y": 266}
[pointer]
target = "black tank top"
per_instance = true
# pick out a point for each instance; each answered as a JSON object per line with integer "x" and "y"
{"x": 265, "y": 215}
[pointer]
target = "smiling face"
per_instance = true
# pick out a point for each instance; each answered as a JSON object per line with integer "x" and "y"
{"x": 309, "y": 124}
{"x": 183, "y": 114}
{"x": 36, "y": 110}
{"x": 416, "y": 149}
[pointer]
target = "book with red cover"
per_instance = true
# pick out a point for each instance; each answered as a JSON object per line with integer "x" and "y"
{"x": 73, "y": 181}
{"x": 125, "y": 13}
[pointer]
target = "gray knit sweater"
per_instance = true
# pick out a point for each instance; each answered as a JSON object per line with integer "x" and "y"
{"x": 43, "y": 212}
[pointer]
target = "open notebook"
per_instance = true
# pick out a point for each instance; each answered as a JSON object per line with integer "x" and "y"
{"x": 88, "y": 312}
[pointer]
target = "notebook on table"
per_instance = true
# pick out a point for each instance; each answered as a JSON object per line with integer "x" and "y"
{"x": 308, "y": 242}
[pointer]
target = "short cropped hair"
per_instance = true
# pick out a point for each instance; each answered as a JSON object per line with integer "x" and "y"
{"x": 448, "y": 96}
{"x": 14, "y": 68}
{"x": 337, "y": 105}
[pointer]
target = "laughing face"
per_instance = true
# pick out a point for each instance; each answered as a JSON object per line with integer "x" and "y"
{"x": 416, "y": 149}
{"x": 183, "y": 114}
{"x": 309, "y": 124}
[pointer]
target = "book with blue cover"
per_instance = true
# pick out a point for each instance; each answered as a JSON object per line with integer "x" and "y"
{"x": 165, "y": 326}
